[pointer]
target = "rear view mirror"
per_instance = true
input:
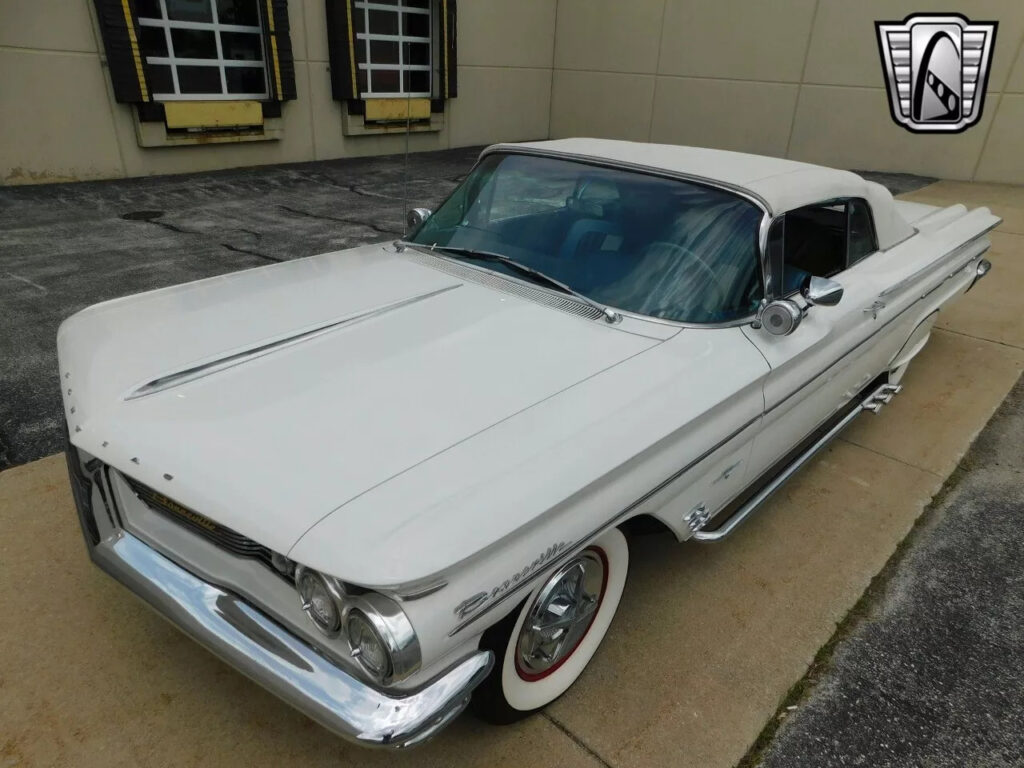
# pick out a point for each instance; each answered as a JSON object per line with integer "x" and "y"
{"x": 820, "y": 291}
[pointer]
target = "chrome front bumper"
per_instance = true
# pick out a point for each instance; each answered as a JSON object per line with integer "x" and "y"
{"x": 261, "y": 649}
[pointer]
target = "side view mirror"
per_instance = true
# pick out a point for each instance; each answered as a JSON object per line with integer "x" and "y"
{"x": 820, "y": 291}
{"x": 415, "y": 218}
{"x": 780, "y": 318}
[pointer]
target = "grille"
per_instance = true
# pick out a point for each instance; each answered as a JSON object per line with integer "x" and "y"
{"x": 221, "y": 535}
{"x": 564, "y": 303}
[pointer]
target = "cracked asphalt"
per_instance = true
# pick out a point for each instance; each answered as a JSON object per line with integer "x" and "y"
{"x": 66, "y": 246}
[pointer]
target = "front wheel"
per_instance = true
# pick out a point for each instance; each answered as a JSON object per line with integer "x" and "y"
{"x": 542, "y": 647}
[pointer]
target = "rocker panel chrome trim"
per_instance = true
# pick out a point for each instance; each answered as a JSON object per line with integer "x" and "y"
{"x": 884, "y": 392}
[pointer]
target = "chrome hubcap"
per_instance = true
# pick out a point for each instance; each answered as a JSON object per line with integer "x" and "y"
{"x": 561, "y": 615}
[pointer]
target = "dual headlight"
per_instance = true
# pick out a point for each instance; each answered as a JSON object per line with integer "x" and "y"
{"x": 380, "y": 636}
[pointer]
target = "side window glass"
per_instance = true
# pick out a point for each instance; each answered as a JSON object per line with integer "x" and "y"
{"x": 862, "y": 232}
{"x": 815, "y": 244}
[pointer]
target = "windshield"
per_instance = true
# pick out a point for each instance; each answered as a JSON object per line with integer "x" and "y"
{"x": 654, "y": 246}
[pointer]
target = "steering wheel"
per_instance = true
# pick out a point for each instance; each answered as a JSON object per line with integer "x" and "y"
{"x": 684, "y": 252}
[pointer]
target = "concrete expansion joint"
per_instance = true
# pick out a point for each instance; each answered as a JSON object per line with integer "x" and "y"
{"x": 576, "y": 739}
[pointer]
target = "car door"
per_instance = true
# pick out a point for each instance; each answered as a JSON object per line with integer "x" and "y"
{"x": 820, "y": 368}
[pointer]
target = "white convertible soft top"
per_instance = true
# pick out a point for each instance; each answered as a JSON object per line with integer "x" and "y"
{"x": 781, "y": 184}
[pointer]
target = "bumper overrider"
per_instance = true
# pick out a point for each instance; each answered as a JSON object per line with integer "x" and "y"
{"x": 260, "y": 648}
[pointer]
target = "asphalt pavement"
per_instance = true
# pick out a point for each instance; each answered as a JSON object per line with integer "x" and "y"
{"x": 928, "y": 671}
{"x": 66, "y": 246}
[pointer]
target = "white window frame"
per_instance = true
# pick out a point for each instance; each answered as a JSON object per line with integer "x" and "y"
{"x": 220, "y": 62}
{"x": 366, "y": 37}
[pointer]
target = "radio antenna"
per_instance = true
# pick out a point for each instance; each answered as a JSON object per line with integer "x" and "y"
{"x": 404, "y": 75}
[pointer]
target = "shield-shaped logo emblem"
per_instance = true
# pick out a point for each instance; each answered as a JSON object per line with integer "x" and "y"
{"x": 936, "y": 68}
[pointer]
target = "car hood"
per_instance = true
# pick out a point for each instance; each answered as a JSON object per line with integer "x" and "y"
{"x": 266, "y": 399}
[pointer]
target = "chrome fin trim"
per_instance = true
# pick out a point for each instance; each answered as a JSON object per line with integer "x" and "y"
{"x": 183, "y": 376}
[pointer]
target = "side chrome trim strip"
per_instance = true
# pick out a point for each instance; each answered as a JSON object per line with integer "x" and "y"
{"x": 575, "y": 546}
{"x": 871, "y": 402}
{"x": 909, "y": 280}
{"x": 878, "y": 330}
{"x": 176, "y": 378}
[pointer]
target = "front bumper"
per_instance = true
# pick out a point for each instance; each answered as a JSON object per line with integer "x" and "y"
{"x": 261, "y": 649}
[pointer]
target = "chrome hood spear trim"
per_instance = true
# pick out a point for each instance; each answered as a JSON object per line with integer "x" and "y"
{"x": 176, "y": 378}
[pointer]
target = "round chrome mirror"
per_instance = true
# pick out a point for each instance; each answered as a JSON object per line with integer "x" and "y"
{"x": 415, "y": 218}
{"x": 781, "y": 317}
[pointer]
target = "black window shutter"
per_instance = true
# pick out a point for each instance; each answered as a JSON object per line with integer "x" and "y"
{"x": 285, "y": 63}
{"x": 450, "y": 71}
{"x": 340, "y": 36}
{"x": 120, "y": 36}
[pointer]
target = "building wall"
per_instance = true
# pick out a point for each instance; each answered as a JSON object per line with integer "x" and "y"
{"x": 791, "y": 78}
{"x": 794, "y": 78}
{"x": 59, "y": 120}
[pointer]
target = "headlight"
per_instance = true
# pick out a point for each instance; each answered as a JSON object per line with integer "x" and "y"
{"x": 367, "y": 647}
{"x": 321, "y": 600}
{"x": 381, "y": 638}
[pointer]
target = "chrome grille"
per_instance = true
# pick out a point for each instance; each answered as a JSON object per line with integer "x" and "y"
{"x": 563, "y": 303}
{"x": 222, "y": 536}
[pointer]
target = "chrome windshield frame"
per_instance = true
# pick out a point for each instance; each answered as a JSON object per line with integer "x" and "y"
{"x": 748, "y": 195}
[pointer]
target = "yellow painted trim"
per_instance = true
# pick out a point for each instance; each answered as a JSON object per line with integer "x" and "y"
{"x": 212, "y": 114}
{"x": 444, "y": 22}
{"x": 135, "y": 50}
{"x": 351, "y": 51}
{"x": 397, "y": 109}
{"x": 273, "y": 48}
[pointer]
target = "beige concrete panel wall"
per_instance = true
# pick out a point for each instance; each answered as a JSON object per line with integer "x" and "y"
{"x": 601, "y": 105}
{"x": 848, "y": 127}
{"x": 1015, "y": 82}
{"x": 53, "y": 25}
{"x": 507, "y": 33}
{"x": 394, "y": 143}
{"x": 325, "y": 112}
{"x": 295, "y": 144}
{"x": 314, "y": 18}
{"x": 844, "y": 47}
{"x": 1003, "y": 157}
{"x": 297, "y": 25}
{"x": 500, "y": 104}
{"x": 608, "y": 35}
{"x": 736, "y": 39}
{"x": 55, "y": 122}
{"x": 727, "y": 114}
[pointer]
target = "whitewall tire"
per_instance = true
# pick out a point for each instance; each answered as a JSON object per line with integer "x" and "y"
{"x": 542, "y": 647}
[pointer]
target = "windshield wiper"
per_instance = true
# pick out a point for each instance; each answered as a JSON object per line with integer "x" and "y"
{"x": 610, "y": 315}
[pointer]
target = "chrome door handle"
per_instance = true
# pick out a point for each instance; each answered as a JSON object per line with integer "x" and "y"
{"x": 873, "y": 309}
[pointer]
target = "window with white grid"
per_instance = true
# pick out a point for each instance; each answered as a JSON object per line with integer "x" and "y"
{"x": 393, "y": 47}
{"x": 203, "y": 49}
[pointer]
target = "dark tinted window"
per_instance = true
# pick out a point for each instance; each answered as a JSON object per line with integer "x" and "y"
{"x": 862, "y": 232}
{"x": 815, "y": 244}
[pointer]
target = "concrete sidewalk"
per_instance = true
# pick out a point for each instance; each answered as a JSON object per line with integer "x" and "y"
{"x": 707, "y": 642}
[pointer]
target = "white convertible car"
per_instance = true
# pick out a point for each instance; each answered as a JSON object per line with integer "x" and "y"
{"x": 385, "y": 481}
